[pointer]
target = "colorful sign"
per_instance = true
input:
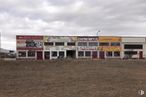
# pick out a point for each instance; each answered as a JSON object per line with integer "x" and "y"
{"x": 109, "y": 39}
{"x": 81, "y": 38}
{"x": 29, "y": 42}
{"x": 60, "y": 38}
{"x": 109, "y": 48}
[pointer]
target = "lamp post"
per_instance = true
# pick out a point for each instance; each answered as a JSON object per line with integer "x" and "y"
{"x": 98, "y": 33}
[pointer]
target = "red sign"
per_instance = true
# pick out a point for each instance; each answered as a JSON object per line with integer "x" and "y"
{"x": 30, "y": 37}
{"x": 29, "y": 42}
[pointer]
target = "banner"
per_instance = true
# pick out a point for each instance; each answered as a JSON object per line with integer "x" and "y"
{"x": 60, "y": 38}
{"x": 109, "y": 39}
{"x": 29, "y": 42}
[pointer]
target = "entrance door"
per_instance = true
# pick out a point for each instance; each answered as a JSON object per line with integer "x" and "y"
{"x": 71, "y": 53}
{"x": 140, "y": 55}
{"x": 39, "y": 55}
{"x": 47, "y": 55}
{"x": 101, "y": 55}
{"x": 94, "y": 54}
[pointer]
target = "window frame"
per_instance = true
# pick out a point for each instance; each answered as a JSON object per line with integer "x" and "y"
{"x": 59, "y": 43}
{"x": 33, "y": 55}
{"x": 86, "y": 53}
{"x": 22, "y": 56}
{"x": 104, "y": 43}
{"x": 79, "y": 55}
{"x": 82, "y": 43}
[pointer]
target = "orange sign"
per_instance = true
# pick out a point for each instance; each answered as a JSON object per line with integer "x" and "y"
{"x": 109, "y": 39}
{"x": 110, "y": 48}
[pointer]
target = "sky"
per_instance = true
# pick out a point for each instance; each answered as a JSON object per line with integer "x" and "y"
{"x": 70, "y": 17}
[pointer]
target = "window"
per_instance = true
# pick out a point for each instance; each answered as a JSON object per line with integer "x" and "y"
{"x": 80, "y": 53}
{"x": 61, "y": 54}
{"x": 71, "y": 44}
{"x": 54, "y": 53}
{"x": 48, "y": 43}
{"x": 87, "y": 53}
{"x": 31, "y": 53}
{"x": 116, "y": 54}
{"x": 115, "y": 44}
{"x": 47, "y": 55}
{"x": 109, "y": 54}
{"x": 22, "y": 54}
{"x": 82, "y": 43}
{"x": 130, "y": 52}
{"x": 93, "y": 43}
{"x": 133, "y": 46}
{"x": 104, "y": 44}
{"x": 59, "y": 43}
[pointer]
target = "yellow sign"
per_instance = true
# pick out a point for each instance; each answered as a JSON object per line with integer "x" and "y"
{"x": 110, "y": 48}
{"x": 109, "y": 39}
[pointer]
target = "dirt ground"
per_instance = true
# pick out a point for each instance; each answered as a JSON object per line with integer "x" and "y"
{"x": 73, "y": 78}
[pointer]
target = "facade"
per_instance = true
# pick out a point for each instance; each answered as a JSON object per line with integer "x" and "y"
{"x": 96, "y": 47}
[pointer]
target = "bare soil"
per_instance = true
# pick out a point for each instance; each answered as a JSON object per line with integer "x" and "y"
{"x": 73, "y": 78}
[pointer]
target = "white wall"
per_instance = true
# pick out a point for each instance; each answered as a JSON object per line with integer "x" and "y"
{"x": 133, "y": 39}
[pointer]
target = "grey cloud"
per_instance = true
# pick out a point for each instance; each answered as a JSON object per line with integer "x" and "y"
{"x": 71, "y": 17}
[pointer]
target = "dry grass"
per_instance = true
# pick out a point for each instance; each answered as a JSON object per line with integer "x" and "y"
{"x": 72, "y": 78}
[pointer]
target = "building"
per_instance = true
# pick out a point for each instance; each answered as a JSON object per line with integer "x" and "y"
{"x": 97, "y": 47}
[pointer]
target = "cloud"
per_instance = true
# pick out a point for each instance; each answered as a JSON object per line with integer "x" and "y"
{"x": 71, "y": 17}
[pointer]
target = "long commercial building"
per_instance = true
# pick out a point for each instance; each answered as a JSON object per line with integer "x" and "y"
{"x": 96, "y": 47}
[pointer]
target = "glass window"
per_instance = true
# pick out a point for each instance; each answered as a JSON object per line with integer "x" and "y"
{"x": 93, "y": 43}
{"x": 22, "y": 54}
{"x": 71, "y": 44}
{"x": 31, "y": 53}
{"x": 133, "y": 46}
{"x": 82, "y": 43}
{"x": 104, "y": 44}
{"x": 59, "y": 44}
{"x": 81, "y": 53}
{"x": 47, "y": 55}
{"x": 54, "y": 53}
{"x": 61, "y": 54}
{"x": 109, "y": 54}
{"x": 116, "y": 54}
{"x": 87, "y": 53}
{"x": 115, "y": 44}
{"x": 48, "y": 43}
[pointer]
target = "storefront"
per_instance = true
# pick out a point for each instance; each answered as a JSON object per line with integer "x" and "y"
{"x": 87, "y": 47}
{"x": 59, "y": 47}
{"x": 110, "y": 47}
{"x": 29, "y": 47}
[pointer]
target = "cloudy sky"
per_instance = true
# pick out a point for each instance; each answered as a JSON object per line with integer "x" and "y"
{"x": 71, "y": 17}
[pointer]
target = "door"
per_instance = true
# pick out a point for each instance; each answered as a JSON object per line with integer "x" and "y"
{"x": 140, "y": 55}
{"x": 101, "y": 55}
{"x": 39, "y": 55}
{"x": 71, "y": 53}
{"x": 94, "y": 54}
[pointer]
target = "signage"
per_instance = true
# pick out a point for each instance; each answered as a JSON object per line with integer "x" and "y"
{"x": 29, "y": 42}
{"x": 87, "y": 38}
{"x": 109, "y": 39}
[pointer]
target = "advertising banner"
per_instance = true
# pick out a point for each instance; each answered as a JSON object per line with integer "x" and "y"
{"x": 109, "y": 48}
{"x": 60, "y": 38}
{"x": 109, "y": 39}
{"x": 29, "y": 42}
{"x": 85, "y": 38}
